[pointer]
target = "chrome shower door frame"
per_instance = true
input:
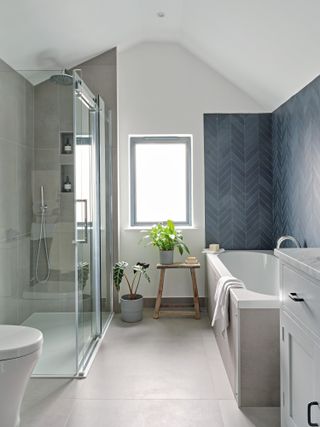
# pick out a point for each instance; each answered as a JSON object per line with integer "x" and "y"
{"x": 90, "y": 234}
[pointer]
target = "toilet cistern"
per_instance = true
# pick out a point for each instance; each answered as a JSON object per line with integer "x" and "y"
{"x": 290, "y": 238}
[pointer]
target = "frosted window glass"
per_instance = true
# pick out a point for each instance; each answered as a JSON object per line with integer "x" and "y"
{"x": 161, "y": 182}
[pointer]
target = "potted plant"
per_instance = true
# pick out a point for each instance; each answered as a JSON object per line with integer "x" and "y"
{"x": 131, "y": 303}
{"x": 83, "y": 273}
{"x": 166, "y": 238}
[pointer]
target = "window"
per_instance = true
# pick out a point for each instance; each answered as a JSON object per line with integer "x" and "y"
{"x": 160, "y": 179}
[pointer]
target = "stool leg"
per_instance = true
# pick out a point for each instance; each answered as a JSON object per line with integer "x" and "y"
{"x": 159, "y": 296}
{"x": 195, "y": 294}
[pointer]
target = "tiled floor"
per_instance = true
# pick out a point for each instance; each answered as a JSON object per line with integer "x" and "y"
{"x": 157, "y": 373}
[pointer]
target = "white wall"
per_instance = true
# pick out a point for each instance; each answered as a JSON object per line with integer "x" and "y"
{"x": 164, "y": 89}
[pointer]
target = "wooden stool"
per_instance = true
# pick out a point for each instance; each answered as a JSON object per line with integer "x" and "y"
{"x": 192, "y": 268}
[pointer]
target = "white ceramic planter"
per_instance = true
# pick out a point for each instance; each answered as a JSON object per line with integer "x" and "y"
{"x": 131, "y": 309}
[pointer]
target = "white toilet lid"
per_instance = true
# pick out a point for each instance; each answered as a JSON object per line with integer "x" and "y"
{"x": 18, "y": 341}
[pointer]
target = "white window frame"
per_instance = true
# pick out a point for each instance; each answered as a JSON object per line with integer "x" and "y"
{"x": 158, "y": 139}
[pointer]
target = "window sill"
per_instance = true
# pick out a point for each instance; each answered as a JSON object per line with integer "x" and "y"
{"x": 148, "y": 227}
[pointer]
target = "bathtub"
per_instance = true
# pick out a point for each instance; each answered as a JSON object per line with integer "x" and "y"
{"x": 250, "y": 348}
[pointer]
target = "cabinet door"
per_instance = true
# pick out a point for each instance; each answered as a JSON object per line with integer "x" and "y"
{"x": 300, "y": 357}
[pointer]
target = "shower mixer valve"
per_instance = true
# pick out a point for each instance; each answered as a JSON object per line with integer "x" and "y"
{"x": 43, "y": 207}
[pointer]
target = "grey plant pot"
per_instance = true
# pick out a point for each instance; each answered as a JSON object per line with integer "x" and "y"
{"x": 166, "y": 257}
{"x": 131, "y": 309}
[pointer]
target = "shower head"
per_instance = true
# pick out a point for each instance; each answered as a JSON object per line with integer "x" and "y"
{"x": 63, "y": 78}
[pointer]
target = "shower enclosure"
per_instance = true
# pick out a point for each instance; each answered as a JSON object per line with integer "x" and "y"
{"x": 69, "y": 295}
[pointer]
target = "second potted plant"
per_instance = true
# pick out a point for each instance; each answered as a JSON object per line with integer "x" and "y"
{"x": 131, "y": 303}
{"x": 166, "y": 238}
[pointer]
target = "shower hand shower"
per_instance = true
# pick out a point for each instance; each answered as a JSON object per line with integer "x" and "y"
{"x": 42, "y": 237}
{"x": 43, "y": 206}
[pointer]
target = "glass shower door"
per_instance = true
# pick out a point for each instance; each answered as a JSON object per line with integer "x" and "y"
{"x": 87, "y": 224}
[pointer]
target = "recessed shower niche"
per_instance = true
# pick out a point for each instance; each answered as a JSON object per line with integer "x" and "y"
{"x": 67, "y": 178}
{"x": 66, "y": 143}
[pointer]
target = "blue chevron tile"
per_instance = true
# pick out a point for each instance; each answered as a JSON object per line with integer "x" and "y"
{"x": 238, "y": 180}
{"x": 296, "y": 166}
{"x": 262, "y": 174}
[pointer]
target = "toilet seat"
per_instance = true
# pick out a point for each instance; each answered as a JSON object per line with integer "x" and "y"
{"x": 18, "y": 341}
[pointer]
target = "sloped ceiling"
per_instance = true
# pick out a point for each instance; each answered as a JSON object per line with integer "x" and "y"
{"x": 269, "y": 48}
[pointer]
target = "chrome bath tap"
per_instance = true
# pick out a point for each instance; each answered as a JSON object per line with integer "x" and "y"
{"x": 284, "y": 238}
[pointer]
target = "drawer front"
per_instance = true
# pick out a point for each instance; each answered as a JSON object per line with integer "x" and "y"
{"x": 300, "y": 287}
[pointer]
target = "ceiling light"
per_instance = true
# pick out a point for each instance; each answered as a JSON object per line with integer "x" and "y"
{"x": 160, "y": 14}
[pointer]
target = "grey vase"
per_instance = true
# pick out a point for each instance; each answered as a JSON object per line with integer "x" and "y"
{"x": 131, "y": 309}
{"x": 166, "y": 257}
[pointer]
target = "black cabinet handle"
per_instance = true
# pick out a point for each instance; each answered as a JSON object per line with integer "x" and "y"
{"x": 310, "y": 423}
{"x": 294, "y": 297}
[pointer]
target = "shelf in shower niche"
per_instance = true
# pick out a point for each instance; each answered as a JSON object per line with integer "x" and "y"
{"x": 66, "y": 159}
{"x": 66, "y": 192}
{"x": 66, "y": 138}
{"x": 67, "y": 173}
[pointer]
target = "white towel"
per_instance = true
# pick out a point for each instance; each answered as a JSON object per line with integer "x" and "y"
{"x": 221, "y": 298}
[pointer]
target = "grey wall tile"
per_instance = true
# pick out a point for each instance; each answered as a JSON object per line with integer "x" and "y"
{"x": 47, "y": 159}
{"x": 8, "y": 187}
{"x": 53, "y": 115}
{"x": 16, "y": 159}
{"x": 66, "y": 108}
{"x": 16, "y": 104}
{"x": 9, "y": 281}
{"x": 46, "y": 112}
{"x": 24, "y": 188}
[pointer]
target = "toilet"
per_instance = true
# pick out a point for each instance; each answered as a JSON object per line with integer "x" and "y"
{"x": 20, "y": 349}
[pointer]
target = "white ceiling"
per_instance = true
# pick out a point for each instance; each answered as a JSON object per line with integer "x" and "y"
{"x": 269, "y": 48}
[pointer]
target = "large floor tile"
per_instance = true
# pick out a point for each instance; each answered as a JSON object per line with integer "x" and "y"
{"x": 46, "y": 412}
{"x": 248, "y": 417}
{"x": 158, "y": 380}
{"x": 44, "y": 403}
{"x": 50, "y": 388}
{"x": 156, "y": 373}
{"x": 222, "y": 387}
{"x": 153, "y": 369}
{"x": 145, "y": 413}
{"x": 151, "y": 329}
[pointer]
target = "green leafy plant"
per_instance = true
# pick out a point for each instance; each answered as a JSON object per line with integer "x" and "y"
{"x": 166, "y": 237}
{"x": 139, "y": 270}
{"x": 83, "y": 273}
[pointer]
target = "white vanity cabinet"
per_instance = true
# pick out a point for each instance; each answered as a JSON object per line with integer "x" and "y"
{"x": 300, "y": 339}
{"x": 300, "y": 375}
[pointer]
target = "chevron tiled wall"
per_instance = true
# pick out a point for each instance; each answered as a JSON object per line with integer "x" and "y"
{"x": 296, "y": 167}
{"x": 238, "y": 180}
